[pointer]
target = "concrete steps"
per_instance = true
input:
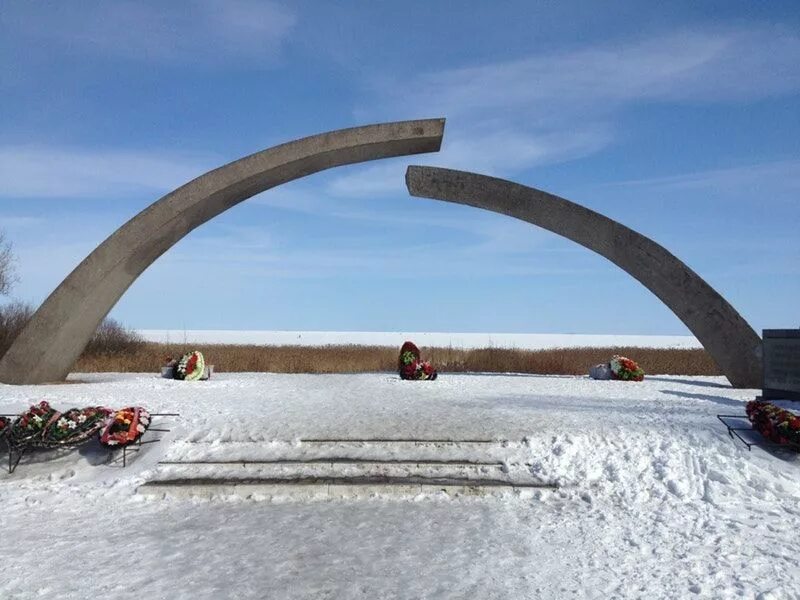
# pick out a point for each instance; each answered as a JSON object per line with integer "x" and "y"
{"x": 344, "y": 468}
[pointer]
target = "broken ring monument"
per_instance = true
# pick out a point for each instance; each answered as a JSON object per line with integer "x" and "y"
{"x": 50, "y": 344}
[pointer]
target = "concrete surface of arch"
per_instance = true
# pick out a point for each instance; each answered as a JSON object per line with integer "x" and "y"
{"x": 49, "y": 345}
{"x": 728, "y": 338}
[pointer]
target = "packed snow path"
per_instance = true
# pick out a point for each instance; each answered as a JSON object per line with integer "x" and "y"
{"x": 656, "y": 500}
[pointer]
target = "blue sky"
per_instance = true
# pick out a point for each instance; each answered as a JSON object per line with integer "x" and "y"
{"x": 678, "y": 119}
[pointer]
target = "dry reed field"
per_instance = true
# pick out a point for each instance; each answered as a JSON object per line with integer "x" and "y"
{"x": 148, "y": 357}
{"x": 115, "y": 348}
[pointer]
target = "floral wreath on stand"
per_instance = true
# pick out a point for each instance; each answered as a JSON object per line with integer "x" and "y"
{"x": 125, "y": 427}
{"x": 410, "y": 367}
{"x": 190, "y": 367}
{"x": 774, "y": 423}
{"x": 31, "y": 424}
{"x": 77, "y": 425}
{"x": 625, "y": 369}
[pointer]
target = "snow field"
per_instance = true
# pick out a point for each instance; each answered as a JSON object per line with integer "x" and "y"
{"x": 655, "y": 500}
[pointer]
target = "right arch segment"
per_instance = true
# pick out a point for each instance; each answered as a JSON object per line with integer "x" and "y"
{"x": 728, "y": 338}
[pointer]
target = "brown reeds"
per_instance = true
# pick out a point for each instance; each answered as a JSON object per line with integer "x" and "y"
{"x": 111, "y": 338}
{"x": 13, "y": 318}
{"x": 115, "y": 348}
{"x": 148, "y": 357}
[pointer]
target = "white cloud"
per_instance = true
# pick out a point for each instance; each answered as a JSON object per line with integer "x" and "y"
{"x": 18, "y": 222}
{"x": 502, "y": 151}
{"x": 192, "y": 31}
{"x": 489, "y": 152}
{"x": 291, "y": 196}
{"x": 374, "y": 180}
{"x": 57, "y": 172}
{"x": 501, "y": 249}
{"x": 509, "y": 116}
{"x": 489, "y": 232}
{"x": 714, "y": 65}
{"x": 778, "y": 177}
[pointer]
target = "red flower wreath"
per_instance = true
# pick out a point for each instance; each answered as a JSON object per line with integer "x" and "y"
{"x": 774, "y": 423}
{"x": 125, "y": 427}
{"x": 31, "y": 425}
{"x": 410, "y": 367}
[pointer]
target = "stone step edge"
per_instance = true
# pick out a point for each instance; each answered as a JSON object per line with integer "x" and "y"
{"x": 339, "y": 460}
{"x": 397, "y": 441}
{"x": 347, "y": 481}
{"x": 332, "y": 440}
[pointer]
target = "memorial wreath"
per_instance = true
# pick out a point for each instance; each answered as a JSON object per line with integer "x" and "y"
{"x": 126, "y": 426}
{"x": 31, "y": 425}
{"x": 189, "y": 367}
{"x": 410, "y": 367}
{"x": 76, "y": 425}
{"x": 625, "y": 369}
{"x": 774, "y": 423}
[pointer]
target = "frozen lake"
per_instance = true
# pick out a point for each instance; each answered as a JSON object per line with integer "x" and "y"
{"x": 528, "y": 341}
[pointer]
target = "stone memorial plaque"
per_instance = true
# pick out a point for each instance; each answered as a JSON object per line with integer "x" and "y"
{"x": 781, "y": 352}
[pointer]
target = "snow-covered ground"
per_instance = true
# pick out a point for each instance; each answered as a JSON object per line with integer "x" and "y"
{"x": 528, "y": 341}
{"x": 655, "y": 500}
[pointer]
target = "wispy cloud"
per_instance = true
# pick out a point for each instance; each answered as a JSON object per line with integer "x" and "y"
{"x": 777, "y": 265}
{"x": 59, "y": 172}
{"x": 18, "y": 222}
{"x": 713, "y": 65}
{"x": 491, "y": 233}
{"x": 493, "y": 253}
{"x": 779, "y": 177}
{"x": 505, "y": 117}
{"x": 295, "y": 198}
{"x": 494, "y": 153}
{"x": 468, "y": 242}
{"x": 210, "y": 31}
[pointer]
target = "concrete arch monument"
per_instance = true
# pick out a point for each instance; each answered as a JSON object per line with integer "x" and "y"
{"x": 50, "y": 344}
{"x": 727, "y": 337}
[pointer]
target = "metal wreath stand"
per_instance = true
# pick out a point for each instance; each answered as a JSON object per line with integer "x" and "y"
{"x": 18, "y": 449}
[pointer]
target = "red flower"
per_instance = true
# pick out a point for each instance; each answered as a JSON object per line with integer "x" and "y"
{"x": 409, "y": 371}
{"x": 774, "y": 423}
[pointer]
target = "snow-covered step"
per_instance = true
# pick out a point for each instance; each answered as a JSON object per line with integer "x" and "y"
{"x": 316, "y": 466}
{"x": 326, "y": 488}
{"x": 356, "y": 449}
{"x": 308, "y": 486}
{"x": 333, "y": 469}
